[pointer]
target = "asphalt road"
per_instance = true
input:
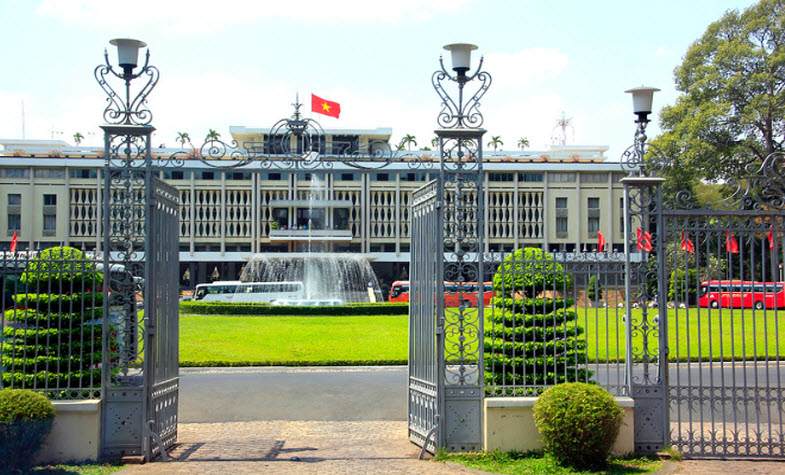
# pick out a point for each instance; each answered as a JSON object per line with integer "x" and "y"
{"x": 379, "y": 392}
{"x": 281, "y": 393}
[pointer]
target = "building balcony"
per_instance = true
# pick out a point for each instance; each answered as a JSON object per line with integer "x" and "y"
{"x": 324, "y": 235}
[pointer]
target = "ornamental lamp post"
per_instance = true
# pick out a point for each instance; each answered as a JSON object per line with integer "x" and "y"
{"x": 461, "y": 56}
{"x": 642, "y": 99}
{"x": 127, "y": 53}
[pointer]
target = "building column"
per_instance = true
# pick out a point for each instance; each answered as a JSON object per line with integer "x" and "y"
{"x": 545, "y": 216}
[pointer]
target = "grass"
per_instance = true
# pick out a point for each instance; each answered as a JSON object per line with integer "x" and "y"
{"x": 80, "y": 469}
{"x": 217, "y": 340}
{"x": 228, "y": 340}
{"x": 539, "y": 464}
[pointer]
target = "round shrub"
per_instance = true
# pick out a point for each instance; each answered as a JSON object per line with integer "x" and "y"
{"x": 60, "y": 268}
{"x": 579, "y": 423}
{"x": 25, "y": 420}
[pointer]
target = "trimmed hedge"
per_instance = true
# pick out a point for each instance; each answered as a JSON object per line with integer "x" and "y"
{"x": 578, "y": 423}
{"x": 25, "y": 420}
{"x": 52, "y": 341}
{"x": 261, "y": 309}
{"x": 532, "y": 338}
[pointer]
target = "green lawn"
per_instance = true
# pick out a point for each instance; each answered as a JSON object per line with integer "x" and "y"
{"x": 537, "y": 464}
{"x": 227, "y": 340}
{"x": 269, "y": 340}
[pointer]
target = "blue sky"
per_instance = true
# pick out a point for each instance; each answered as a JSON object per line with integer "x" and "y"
{"x": 237, "y": 62}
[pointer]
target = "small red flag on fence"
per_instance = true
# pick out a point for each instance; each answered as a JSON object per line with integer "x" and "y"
{"x": 14, "y": 238}
{"x": 600, "y": 242}
{"x": 770, "y": 237}
{"x": 644, "y": 240}
{"x": 686, "y": 243}
{"x": 731, "y": 244}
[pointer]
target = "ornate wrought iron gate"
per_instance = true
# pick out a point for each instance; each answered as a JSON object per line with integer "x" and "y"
{"x": 426, "y": 381}
{"x": 726, "y": 305}
{"x": 140, "y": 258}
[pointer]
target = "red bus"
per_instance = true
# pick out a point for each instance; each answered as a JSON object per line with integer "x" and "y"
{"x": 741, "y": 294}
{"x": 399, "y": 292}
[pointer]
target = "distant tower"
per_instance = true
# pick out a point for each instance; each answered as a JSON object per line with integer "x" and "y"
{"x": 559, "y": 136}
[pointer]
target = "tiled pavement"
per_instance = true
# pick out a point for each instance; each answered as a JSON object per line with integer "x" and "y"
{"x": 356, "y": 447}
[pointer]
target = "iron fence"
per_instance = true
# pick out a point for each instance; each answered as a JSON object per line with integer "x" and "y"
{"x": 555, "y": 318}
{"x": 52, "y": 318}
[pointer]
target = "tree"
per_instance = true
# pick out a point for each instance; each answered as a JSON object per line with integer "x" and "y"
{"x": 183, "y": 137}
{"x": 594, "y": 289}
{"x": 731, "y": 113}
{"x": 523, "y": 143}
{"x": 532, "y": 338}
{"x": 212, "y": 135}
{"x": 78, "y": 137}
{"x": 408, "y": 140}
{"x": 496, "y": 142}
{"x": 435, "y": 142}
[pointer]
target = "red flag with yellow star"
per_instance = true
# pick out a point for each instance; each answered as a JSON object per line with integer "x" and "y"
{"x": 323, "y": 106}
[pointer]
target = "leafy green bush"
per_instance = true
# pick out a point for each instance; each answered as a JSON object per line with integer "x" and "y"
{"x": 228, "y": 308}
{"x": 25, "y": 420}
{"x": 579, "y": 423}
{"x": 532, "y": 339}
{"x": 683, "y": 286}
{"x": 52, "y": 340}
{"x": 59, "y": 269}
{"x": 530, "y": 270}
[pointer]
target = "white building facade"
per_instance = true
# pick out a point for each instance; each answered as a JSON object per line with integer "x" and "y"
{"x": 557, "y": 200}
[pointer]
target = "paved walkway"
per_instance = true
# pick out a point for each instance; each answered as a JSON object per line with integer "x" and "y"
{"x": 725, "y": 467}
{"x": 345, "y": 447}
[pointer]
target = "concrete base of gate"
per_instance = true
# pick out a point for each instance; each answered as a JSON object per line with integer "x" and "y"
{"x": 75, "y": 433}
{"x": 509, "y": 425}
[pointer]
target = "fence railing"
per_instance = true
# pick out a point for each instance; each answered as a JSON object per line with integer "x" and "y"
{"x": 52, "y": 318}
{"x": 555, "y": 318}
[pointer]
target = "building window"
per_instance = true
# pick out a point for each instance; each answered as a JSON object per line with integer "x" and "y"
{"x": 500, "y": 177}
{"x": 593, "y": 205}
{"x": 347, "y": 177}
{"x": 530, "y": 177}
{"x": 174, "y": 175}
{"x": 594, "y": 178}
{"x": 82, "y": 173}
{"x": 49, "y": 173}
{"x": 381, "y": 177}
{"x": 14, "y": 213}
{"x": 238, "y": 176}
{"x": 621, "y": 215}
{"x": 50, "y": 216}
{"x": 273, "y": 176}
{"x": 341, "y": 219}
{"x": 207, "y": 175}
{"x": 561, "y": 217}
{"x": 14, "y": 172}
{"x": 561, "y": 177}
{"x": 345, "y": 144}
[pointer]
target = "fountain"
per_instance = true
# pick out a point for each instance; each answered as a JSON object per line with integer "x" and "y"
{"x": 326, "y": 276}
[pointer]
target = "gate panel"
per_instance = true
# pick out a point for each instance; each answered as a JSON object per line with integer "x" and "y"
{"x": 727, "y": 304}
{"x": 162, "y": 325}
{"x": 424, "y": 302}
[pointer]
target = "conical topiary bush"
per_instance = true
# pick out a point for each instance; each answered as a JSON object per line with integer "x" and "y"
{"x": 52, "y": 337}
{"x": 532, "y": 339}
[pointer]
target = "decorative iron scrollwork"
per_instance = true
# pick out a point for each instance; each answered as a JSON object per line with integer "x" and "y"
{"x": 460, "y": 114}
{"x": 127, "y": 110}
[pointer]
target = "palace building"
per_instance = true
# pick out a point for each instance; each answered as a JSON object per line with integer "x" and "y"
{"x": 557, "y": 199}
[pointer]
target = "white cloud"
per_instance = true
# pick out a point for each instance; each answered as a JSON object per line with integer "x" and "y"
{"x": 208, "y": 16}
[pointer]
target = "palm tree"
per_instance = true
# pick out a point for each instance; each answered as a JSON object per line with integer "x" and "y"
{"x": 435, "y": 142}
{"x": 78, "y": 138}
{"x": 212, "y": 135}
{"x": 523, "y": 143}
{"x": 496, "y": 142}
{"x": 183, "y": 137}
{"x": 408, "y": 140}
